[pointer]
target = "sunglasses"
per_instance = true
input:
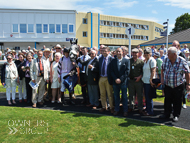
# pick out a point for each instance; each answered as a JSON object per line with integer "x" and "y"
{"x": 9, "y": 58}
{"x": 146, "y": 53}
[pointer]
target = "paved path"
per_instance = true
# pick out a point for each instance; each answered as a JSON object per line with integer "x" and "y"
{"x": 184, "y": 120}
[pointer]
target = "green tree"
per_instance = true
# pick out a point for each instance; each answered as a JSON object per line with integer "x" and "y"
{"x": 182, "y": 23}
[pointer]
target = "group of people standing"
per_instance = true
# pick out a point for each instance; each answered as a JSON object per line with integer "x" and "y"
{"x": 102, "y": 77}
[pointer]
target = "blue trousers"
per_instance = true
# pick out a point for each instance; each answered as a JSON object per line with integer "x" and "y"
{"x": 116, "y": 89}
{"x": 149, "y": 101}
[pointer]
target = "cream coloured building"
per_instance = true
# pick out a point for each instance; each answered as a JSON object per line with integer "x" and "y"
{"x": 93, "y": 29}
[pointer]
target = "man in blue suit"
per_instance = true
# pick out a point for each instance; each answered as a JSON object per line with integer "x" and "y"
{"x": 105, "y": 85}
{"x": 120, "y": 68}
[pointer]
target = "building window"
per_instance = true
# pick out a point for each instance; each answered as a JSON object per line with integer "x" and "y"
{"x": 45, "y": 28}
{"x": 30, "y": 28}
{"x": 52, "y": 28}
{"x": 58, "y": 28}
{"x": 22, "y": 28}
{"x": 84, "y": 20}
{"x": 64, "y": 28}
{"x": 38, "y": 28}
{"x": 15, "y": 28}
{"x": 71, "y": 28}
{"x": 101, "y": 22}
{"x": 84, "y": 34}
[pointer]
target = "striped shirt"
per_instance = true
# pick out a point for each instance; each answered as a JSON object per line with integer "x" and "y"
{"x": 173, "y": 74}
{"x": 64, "y": 66}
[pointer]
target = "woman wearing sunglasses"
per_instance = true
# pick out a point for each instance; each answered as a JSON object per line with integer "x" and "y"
{"x": 9, "y": 76}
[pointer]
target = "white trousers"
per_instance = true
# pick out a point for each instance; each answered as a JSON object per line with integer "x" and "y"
{"x": 11, "y": 85}
{"x": 22, "y": 95}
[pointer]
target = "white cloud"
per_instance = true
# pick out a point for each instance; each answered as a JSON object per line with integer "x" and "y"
{"x": 50, "y": 4}
{"x": 154, "y": 12}
{"x": 120, "y": 3}
{"x": 87, "y": 8}
{"x": 177, "y": 3}
{"x": 142, "y": 18}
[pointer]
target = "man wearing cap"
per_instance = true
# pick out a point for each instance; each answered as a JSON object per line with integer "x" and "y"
{"x": 135, "y": 82}
{"x": 64, "y": 67}
{"x": 39, "y": 74}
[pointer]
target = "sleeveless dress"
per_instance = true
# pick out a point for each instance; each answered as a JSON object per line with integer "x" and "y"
{"x": 55, "y": 83}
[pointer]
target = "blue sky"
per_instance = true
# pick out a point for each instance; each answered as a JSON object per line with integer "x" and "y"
{"x": 153, "y": 10}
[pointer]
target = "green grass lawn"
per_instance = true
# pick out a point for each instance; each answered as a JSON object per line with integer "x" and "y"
{"x": 56, "y": 126}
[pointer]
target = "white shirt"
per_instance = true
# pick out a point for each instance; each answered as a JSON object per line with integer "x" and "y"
{"x": 146, "y": 70}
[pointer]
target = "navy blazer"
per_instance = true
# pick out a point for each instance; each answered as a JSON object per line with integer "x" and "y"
{"x": 123, "y": 73}
{"x": 110, "y": 58}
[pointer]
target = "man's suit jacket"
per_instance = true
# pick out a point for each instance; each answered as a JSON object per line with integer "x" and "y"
{"x": 110, "y": 58}
{"x": 123, "y": 73}
{"x": 93, "y": 75}
{"x": 34, "y": 69}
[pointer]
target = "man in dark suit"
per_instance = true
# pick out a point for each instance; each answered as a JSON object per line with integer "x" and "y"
{"x": 104, "y": 84}
{"x": 92, "y": 72}
{"x": 83, "y": 76}
{"x": 120, "y": 68}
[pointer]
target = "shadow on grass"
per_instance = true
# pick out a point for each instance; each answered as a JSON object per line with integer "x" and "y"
{"x": 137, "y": 123}
{"x": 83, "y": 114}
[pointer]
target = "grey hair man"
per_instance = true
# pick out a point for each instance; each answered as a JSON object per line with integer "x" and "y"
{"x": 173, "y": 69}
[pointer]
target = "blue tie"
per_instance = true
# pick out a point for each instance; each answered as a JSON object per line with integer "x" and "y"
{"x": 103, "y": 67}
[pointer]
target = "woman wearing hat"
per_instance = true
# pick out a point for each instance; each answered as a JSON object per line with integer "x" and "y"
{"x": 9, "y": 76}
{"x": 149, "y": 70}
{"x": 14, "y": 55}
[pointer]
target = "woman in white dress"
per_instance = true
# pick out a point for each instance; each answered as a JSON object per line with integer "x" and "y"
{"x": 55, "y": 85}
{"x": 9, "y": 78}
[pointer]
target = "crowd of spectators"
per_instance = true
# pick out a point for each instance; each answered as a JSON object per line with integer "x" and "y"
{"x": 104, "y": 75}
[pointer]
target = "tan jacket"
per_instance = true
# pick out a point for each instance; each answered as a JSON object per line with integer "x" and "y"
{"x": 34, "y": 69}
